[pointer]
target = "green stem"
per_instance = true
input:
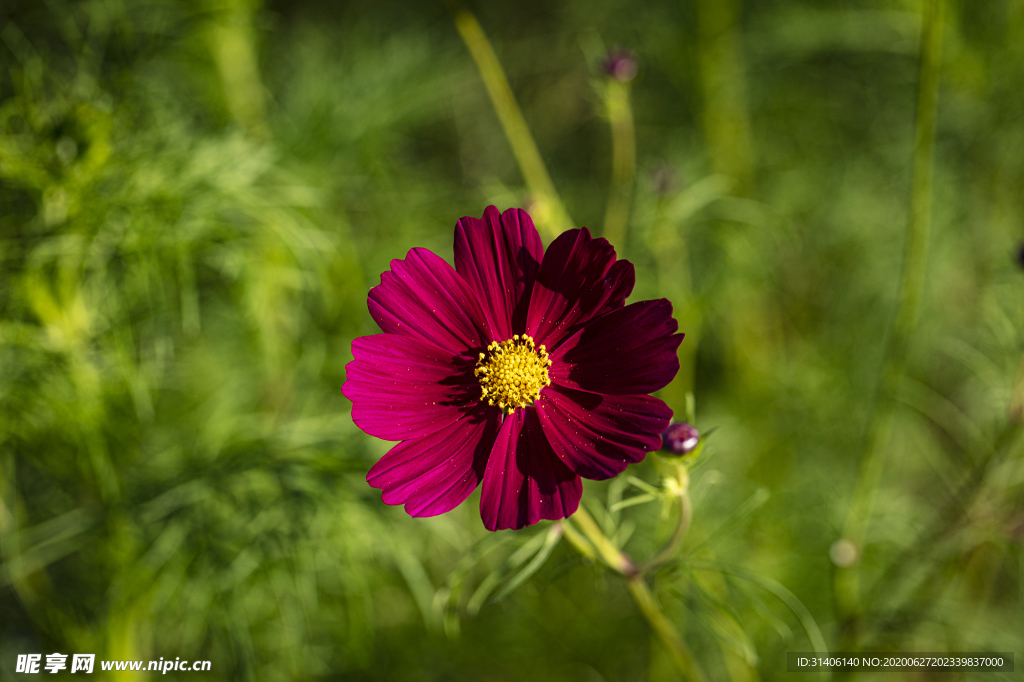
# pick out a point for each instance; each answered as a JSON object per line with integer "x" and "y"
{"x": 723, "y": 87}
{"x": 668, "y": 552}
{"x": 548, "y": 211}
{"x": 665, "y": 630}
{"x": 657, "y": 619}
{"x": 232, "y": 44}
{"x": 620, "y": 194}
{"x": 578, "y": 541}
{"x": 606, "y": 549}
{"x": 911, "y": 290}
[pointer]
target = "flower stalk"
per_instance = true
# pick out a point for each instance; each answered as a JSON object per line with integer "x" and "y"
{"x": 727, "y": 124}
{"x": 671, "y": 548}
{"x": 606, "y": 549}
{"x": 548, "y": 211}
{"x": 667, "y": 633}
{"x": 232, "y": 44}
{"x": 620, "y": 193}
{"x": 911, "y": 291}
{"x": 597, "y": 544}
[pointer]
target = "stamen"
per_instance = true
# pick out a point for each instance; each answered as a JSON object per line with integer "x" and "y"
{"x": 513, "y": 372}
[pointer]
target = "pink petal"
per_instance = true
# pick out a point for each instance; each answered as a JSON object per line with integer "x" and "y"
{"x": 422, "y": 297}
{"x": 402, "y": 388}
{"x": 525, "y": 481}
{"x": 628, "y": 351}
{"x": 579, "y": 279}
{"x": 434, "y": 474}
{"x": 499, "y": 256}
{"x": 596, "y": 435}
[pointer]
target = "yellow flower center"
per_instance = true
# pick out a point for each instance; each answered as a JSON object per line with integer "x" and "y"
{"x": 513, "y": 372}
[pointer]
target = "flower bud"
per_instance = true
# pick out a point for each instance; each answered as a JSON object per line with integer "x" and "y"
{"x": 680, "y": 438}
{"x": 620, "y": 65}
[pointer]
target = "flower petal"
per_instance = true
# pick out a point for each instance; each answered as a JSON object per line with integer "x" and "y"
{"x": 499, "y": 256}
{"x": 596, "y": 435}
{"x": 403, "y": 388}
{"x": 424, "y": 298}
{"x": 525, "y": 482}
{"x": 434, "y": 474}
{"x": 579, "y": 279}
{"x": 628, "y": 351}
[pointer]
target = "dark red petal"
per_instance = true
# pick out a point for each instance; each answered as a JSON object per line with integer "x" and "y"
{"x": 423, "y": 297}
{"x": 434, "y": 474}
{"x": 525, "y": 482}
{"x": 403, "y": 388}
{"x": 579, "y": 279}
{"x": 598, "y": 436}
{"x": 499, "y": 256}
{"x": 628, "y": 351}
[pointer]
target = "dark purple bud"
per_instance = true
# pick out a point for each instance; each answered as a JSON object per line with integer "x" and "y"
{"x": 620, "y": 65}
{"x": 680, "y": 438}
{"x": 1020, "y": 256}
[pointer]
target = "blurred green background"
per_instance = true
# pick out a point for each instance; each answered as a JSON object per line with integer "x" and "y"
{"x": 196, "y": 196}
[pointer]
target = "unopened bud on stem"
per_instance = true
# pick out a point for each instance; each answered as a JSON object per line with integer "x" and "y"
{"x": 620, "y": 65}
{"x": 680, "y": 438}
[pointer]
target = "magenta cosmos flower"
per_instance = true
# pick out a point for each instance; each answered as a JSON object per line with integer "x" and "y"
{"x": 520, "y": 369}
